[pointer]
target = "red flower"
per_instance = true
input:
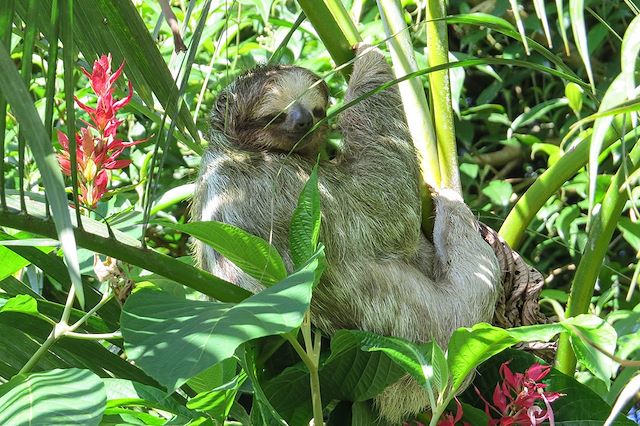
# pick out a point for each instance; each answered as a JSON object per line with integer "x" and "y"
{"x": 449, "y": 419}
{"x": 97, "y": 145}
{"x": 514, "y": 399}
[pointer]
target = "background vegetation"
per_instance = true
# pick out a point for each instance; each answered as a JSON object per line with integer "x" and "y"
{"x": 545, "y": 128}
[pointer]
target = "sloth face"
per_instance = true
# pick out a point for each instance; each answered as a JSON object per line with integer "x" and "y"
{"x": 274, "y": 108}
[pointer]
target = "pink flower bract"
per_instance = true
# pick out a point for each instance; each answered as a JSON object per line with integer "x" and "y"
{"x": 515, "y": 398}
{"x": 97, "y": 144}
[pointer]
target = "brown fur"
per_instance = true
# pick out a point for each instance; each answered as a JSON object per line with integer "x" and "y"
{"x": 382, "y": 274}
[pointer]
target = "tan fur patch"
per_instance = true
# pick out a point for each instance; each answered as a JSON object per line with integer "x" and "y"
{"x": 291, "y": 86}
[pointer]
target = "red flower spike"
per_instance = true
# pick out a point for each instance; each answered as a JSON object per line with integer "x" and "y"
{"x": 97, "y": 148}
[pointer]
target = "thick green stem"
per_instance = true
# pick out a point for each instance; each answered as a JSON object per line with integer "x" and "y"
{"x": 334, "y": 27}
{"x": 547, "y": 184}
{"x": 603, "y": 224}
{"x": 414, "y": 101}
{"x": 438, "y": 53}
{"x": 150, "y": 260}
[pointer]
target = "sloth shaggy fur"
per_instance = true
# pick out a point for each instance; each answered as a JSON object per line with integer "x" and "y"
{"x": 382, "y": 274}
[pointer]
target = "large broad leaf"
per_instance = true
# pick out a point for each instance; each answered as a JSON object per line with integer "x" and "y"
{"x": 262, "y": 412}
{"x": 252, "y": 254}
{"x": 469, "y": 347}
{"x": 123, "y": 393}
{"x": 56, "y": 397}
{"x": 305, "y": 222}
{"x": 414, "y": 359}
{"x": 349, "y": 374}
{"x": 21, "y": 335}
{"x": 600, "y": 333}
{"x": 174, "y": 339}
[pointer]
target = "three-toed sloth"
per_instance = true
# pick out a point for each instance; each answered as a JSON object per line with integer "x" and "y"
{"x": 382, "y": 274}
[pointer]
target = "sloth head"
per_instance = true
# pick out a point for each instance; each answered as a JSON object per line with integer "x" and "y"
{"x": 273, "y": 108}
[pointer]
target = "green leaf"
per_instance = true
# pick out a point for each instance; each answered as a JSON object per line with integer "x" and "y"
{"x": 21, "y": 303}
{"x": 414, "y": 359}
{"x": 553, "y": 151}
{"x": 10, "y": 262}
{"x": 349, "y": 374}
{"x": 629, "y": 55}
{"x": 536, "y": 113}
{"x": 218, "y": 401}
{"x": 122, "y": 393}
{"x": 252, "y": 254}
{"x": 56, "y": 397}
{"x": 630, "y": 232}
{"x": 174, "y": 339}
{"x": 600, "y": 333}
{"x": 499, "y": 192}
{"x": 469, "y": 347}
{"x": 576, "y": 13}
{"x": 575, "y": 96}
{"x": 305, "y": 222}
{"x": 262, "y": 412}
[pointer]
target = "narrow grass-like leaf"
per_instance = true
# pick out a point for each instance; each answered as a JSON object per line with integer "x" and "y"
{"x": 16, "y": 94}
{"x": 252, "y": 254}
{"x": 504, "y": 27}
{"x": 536, "y": 113}
{"x": 563, "y": 30}
{"x": 174, "y": 339}
{"x": 68, "y": 59}
{"x": 164, "y": 139}
{"x": 52, "y": 398}
{"x": 629, "y": 55}
{"x": 542, "y": 15}
{"x": 515, "y": 8}
{"x": 576, "y": 13}
{"x": 6, "y": 21}
{"x": 628, "y": 393}
{"x": 305, "y": 222}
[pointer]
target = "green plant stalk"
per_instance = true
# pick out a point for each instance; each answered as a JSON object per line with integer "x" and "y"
{"x": 311, "y": 359}
{"x": 414, "y": 101}
{"x": 603, "y": 224}
{"x": 334, "y": 27}
{"x": 438, "y": 53}
{"x": 521, "y": 215}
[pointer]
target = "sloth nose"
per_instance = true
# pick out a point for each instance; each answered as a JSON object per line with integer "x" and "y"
{"x": 299, "y": 118}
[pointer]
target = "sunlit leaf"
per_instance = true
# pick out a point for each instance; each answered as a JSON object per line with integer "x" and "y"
{"x": 174, "y": 339}
{"x": 53, "y": 398}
